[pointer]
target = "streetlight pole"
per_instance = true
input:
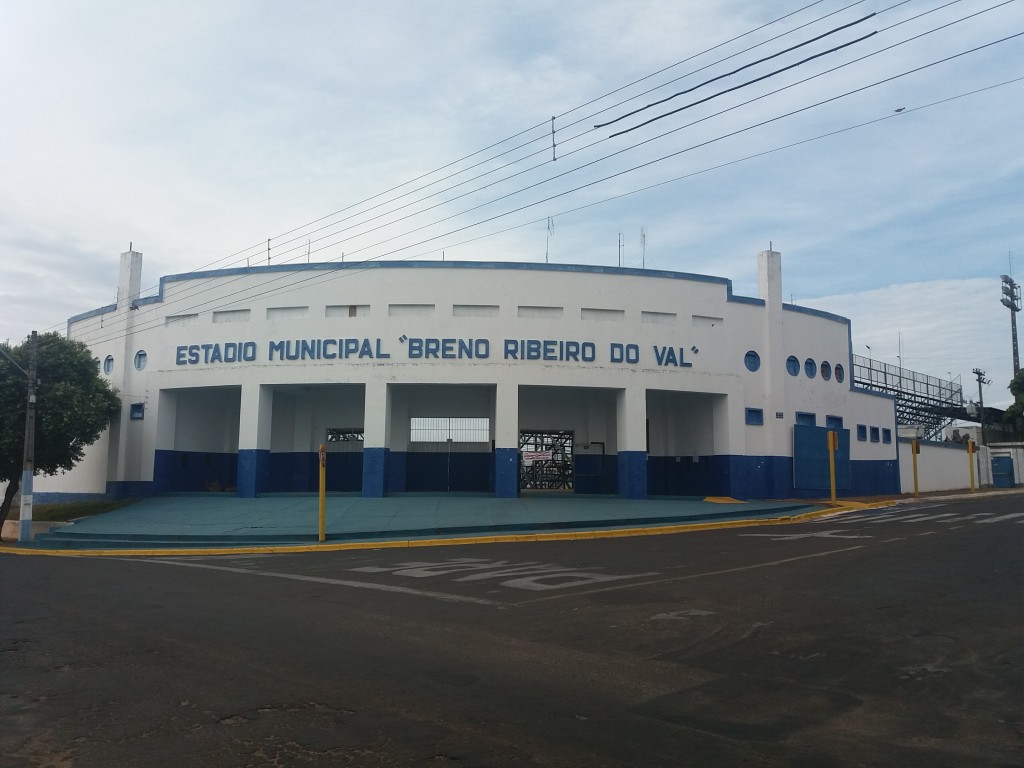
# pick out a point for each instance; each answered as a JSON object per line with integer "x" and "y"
{"x": 981, "y": 401}
{"x": 29, "y": 456}
{"x": 1011, "y": 300}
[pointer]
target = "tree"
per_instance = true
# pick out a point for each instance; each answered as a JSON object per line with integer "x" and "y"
{"x": 73, "y": 407}
{"x": 1015, "y": 413}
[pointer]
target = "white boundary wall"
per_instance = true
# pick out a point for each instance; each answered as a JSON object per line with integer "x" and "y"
{"x": 943, "y": 467}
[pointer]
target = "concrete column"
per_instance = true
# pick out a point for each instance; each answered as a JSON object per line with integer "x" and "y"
{"x": 166, "y": 418}
{"x": 506, "y": 440}
{"x": 254, "y": 429}
{"x": 631, "y": 441}
{"x": 376, "y": 427}
{"x": 774, "y": 353}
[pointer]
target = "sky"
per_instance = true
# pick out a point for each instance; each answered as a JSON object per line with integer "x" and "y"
{"x": 888, "y": 172}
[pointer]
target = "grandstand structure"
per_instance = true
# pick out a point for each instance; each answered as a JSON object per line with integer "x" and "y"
{"x": 921, "y": 400}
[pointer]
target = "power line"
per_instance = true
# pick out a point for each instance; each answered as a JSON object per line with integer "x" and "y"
{"x": 543, "y": 124}
{"x": 298, "y": 283}
{"x": 518, "y": 191}
{"x": 740, "y": 69}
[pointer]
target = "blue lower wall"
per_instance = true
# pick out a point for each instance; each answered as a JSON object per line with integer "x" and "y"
{"x": 449, "y": 472}
{"x": 506, "y": 472}
{"x": 596, "y": 473}
{"x": 758, "y": 477}
{"x": 60, "y": 497}
{"x": 632, "y": 466}
{"x": 871, "y": 478}
{"x": 128, "y": 489}
{"x": 300, "y": 472}
{"x": 193, "y": 471}
{"x": 378, "y": 471}
{"x": 375, "y": 471}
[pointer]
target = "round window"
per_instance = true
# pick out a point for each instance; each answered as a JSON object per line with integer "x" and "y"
{"x": 752, "y": 360}
{"x": 840, "y": 373}
{"x": 793, "y": 366}
{"x": 826, "y": 370}
{"x": 810, "y": 368}
{"x": 108, "y": 364}
{"x": 140, "y": 360}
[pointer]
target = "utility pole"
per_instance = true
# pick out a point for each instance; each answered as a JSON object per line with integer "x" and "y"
{"x": 981, "y": 401}
{"x": 1011, "y": 300}
{"x": 29, "y": 458}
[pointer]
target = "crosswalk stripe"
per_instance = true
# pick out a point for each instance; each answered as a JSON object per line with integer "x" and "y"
{"x": 1010, "y": 516}
{"x": 931, "y": 517}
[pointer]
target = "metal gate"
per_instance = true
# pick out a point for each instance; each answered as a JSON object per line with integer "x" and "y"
{"x": 546, "y": 460}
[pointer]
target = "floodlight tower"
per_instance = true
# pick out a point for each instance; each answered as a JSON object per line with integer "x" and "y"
{"x": 1011, "y": 300}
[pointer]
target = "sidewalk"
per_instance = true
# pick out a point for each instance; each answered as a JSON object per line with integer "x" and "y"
{"x": 219, "y": 523}
{"x": 289, "y": 520}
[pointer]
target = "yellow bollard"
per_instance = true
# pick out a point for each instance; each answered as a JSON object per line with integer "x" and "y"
{"x": 323, "y": 492}
{"x": 833, "y": 446}
{"x": 970, "y": 460}
{"x": 915, "y": 448}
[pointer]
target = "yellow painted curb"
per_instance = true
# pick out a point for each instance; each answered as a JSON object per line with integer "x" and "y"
{"x": 510, "y": 538}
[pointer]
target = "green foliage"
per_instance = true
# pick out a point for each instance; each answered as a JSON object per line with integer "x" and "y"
{"x": 1016, "y": 411}
{"x": 73, "y": 405}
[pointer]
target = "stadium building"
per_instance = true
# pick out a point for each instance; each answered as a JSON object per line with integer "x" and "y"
{"x": 484, "y": 377}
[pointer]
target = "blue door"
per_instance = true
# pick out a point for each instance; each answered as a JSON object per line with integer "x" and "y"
{"x": 1002, "y": 472}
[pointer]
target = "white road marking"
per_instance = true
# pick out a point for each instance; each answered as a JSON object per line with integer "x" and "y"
{"x": 926, "y": 533}
{"x": 930, "y": 517}
{"x": 443, "y": 596}
{"x": 533, "y": 576}
{"x": 898, "y": 538}
{"x": 904, "y": 519}
{"x": 683, "y": 615}
{"x": 1010, "y": 516}
{"x": 687, "y": 577}
{"x": 833, "y": 534}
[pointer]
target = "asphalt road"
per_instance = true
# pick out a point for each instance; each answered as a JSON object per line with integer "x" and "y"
{"x": 883, "y": 638}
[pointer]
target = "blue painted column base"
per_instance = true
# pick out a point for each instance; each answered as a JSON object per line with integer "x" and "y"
{"x": 633, "y": 474}
{"x": 253, "y": 472}
{"x": 375, "y": 472}
{"x": 506, "y": 473}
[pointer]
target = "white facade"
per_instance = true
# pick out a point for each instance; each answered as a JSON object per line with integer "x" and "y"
{"x": 661, "y": 383}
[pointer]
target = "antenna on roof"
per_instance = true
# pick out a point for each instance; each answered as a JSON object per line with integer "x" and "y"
{"x": 621, "y": 243}
{"x": 547, "y": 243}
{"x": 643, "y": 248}
{"x": 268, "y": 251}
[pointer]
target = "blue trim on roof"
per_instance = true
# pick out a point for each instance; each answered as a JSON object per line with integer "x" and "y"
{"x": 496, "y": 265}
{"x": 816, "y": 313}
{"x": 90, "y": 313}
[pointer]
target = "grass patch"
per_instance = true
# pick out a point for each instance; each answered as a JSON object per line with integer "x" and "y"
{"x": 70, "y": 511}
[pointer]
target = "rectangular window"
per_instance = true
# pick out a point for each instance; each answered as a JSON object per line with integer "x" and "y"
{"x": 874, "y": 434}
{"x": 344, "y": 435}
{"x": 834, "y": 422}
{"x": 806, "y": 419}
{"x": 442, "y": 429}
{"x": 586, "y": 313}
{"x": 886, "y": 435}
{"x": 231, "y": 316}
{"x": 474, "y": 310}
{"x": 137, "y": 411}
{"x": 347, "y": 310}
{"x": 287, "y": 313}
{"x": 862, "y": 432}
{"x": 183, "y": 321}
{"x": 550, "y": 313}
{"x": 410, "y": 310}
{"x": 755, "y": 417}
{"x": 658, "y": 318}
